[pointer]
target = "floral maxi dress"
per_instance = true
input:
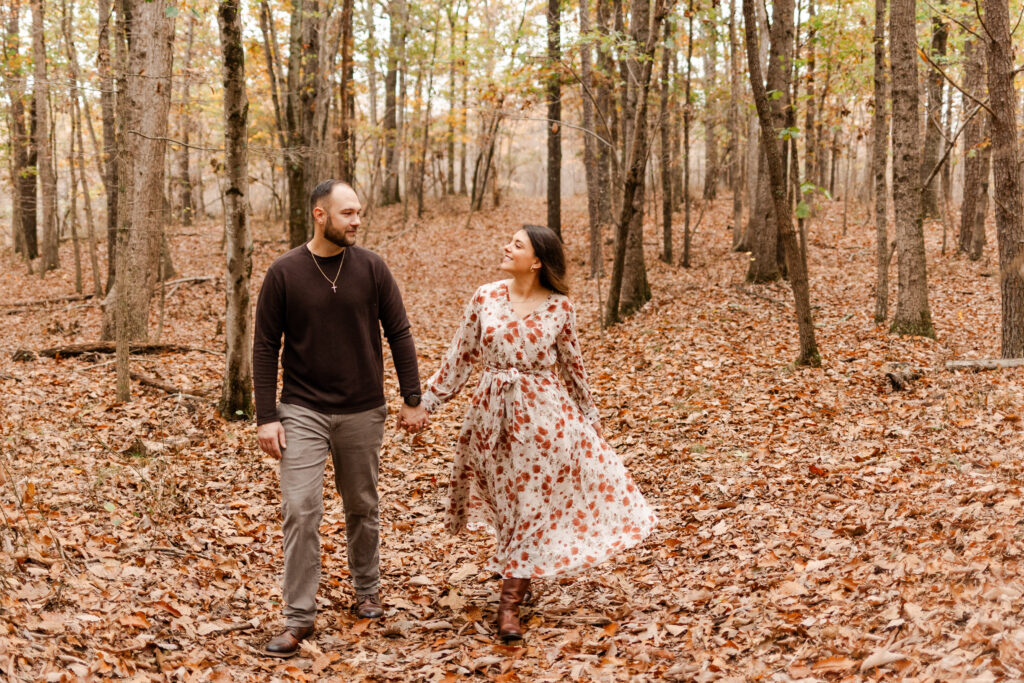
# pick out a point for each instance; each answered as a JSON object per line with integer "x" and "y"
{"x": 529, "y": 463}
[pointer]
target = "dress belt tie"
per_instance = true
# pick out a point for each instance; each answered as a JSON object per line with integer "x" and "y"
{"x": 508, "y": 383}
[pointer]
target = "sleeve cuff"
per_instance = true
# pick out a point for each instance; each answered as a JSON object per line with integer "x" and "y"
{"x": 430, "y": 401}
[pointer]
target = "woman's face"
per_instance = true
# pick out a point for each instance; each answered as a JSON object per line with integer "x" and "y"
{"x": 518, "y": 258}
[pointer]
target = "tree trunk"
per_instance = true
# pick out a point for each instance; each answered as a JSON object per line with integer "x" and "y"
{"x": 777, "y": 177}
{"x": 425, "y": 131}
{"x": 449, "y": 185}
{"x": 184, "y": 180}
{"x": 464, "y": 113}
{"x": 605, "y": 152}
{"x": 149, "y": 33}
{"x": 933, "y": 123}
{"x": 76, "y": 133}
{"x": 107, "y": 105}
{"x": 72, "y": 211}
{"x": 735, "y": 132}
{"x": 636, "y": 290}
{"x": 44, "y": 155}
{"x": 913, "y": 315}
{"x": 390, "y": 193}
{"x": 976, "y": 150}
{"x": 23, "y": 160}
{"x": 981, "y": 211}
{"x": 711, "y": 170}
{"x": 764, "y": 237}
{"x": 665, "y": 124}
{"x": 347, "y": 104}
{"x": 879, "y": 161}
{"x": 687, "y": 110}
{"x": 810, "y": 115}
{"x": 595, "y": 189}
{"x": 236, "y": 391}
{"x": 554, "y": 98}
{"x": 628, "y": 289}
{"x": 1009, "y": 209}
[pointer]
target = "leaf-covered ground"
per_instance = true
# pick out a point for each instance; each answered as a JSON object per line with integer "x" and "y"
{"x": 815, "y": 524}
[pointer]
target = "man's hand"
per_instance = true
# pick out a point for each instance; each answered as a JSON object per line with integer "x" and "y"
{"x": 271, "y": 438}
{"x": 412, "y": 419}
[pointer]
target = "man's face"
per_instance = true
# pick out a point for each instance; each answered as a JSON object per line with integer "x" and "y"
{"x": 340, "y": 211}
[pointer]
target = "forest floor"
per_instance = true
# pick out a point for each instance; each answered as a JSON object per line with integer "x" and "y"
{"x": 815, "y": 524}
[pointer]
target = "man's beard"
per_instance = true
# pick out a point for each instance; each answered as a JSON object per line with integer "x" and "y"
{"x": 335, "y": 236}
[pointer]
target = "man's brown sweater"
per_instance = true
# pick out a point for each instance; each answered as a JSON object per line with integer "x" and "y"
{"x": 333, "y": 357}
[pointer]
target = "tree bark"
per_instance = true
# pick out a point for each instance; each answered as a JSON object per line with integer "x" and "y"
{"x": 1009, "y": 210}
{"x": 453, "y": 15}
{"x": 628, "y": 289}
{"x": 764, "y": 237}
{"x": 711, "y": 170}
{"x": 184, "y": 180}
{"x": 913, "y": 315}
{"x": 687, "y": 110}
{"x": 23, "y": 160}
{"x": 464, "y": 113}
{"x": 769, "y": 141}
{"x": 735, "y": 130}
{"x": 149, "y": 34}
{"x": 810, "y": 115}
{"x": 390, "y": 193}
{"x": 879, "y": 161}
{"x": 347, "y": 104}
{"x": 554, "y": 98}
{"x": 665, "y": 160}
{"x": 977, "y": 150}
{"x": 933, "y": 123}
{"x": 605, "y": 152}
{"x": 636, "y": 290}
{"x": 44, "y": 155}
{"x": 978, "y": 239}
{"x": 236, "y": 391}
{"x": 595, "y": 188}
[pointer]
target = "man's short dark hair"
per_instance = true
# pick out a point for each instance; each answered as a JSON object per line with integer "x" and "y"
{"x": 322, "y": 190}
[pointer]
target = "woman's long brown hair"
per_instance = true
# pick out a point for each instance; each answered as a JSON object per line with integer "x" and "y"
{"x": 548, "y": 248}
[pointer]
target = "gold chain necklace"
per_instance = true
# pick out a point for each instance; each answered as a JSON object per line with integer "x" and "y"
{"x": 334, "y": 287}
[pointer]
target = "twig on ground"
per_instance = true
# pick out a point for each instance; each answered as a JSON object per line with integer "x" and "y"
{"x": 109, "y": 347}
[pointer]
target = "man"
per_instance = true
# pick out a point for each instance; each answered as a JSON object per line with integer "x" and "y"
{"x": 329, "y": 299}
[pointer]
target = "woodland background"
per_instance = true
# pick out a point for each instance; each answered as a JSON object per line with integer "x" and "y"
{"x": 736, "y": 184}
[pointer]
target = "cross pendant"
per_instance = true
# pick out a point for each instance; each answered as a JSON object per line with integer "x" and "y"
{"x": 334, "y": 288}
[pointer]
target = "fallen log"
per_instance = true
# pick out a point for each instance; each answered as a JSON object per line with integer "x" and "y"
{"x": 984, "y": 364}
{"x": 44, "y": 302}
{"x": 109, "y": 347}
{"x": 148, "y": 381}
{"x": 197, "y": 278}
{"x": 901, "y": 379}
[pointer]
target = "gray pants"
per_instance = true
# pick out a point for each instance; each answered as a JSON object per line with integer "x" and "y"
{"x": 354, "y": 444}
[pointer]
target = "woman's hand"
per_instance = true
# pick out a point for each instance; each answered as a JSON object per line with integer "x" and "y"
{"x": 597, "y": 428}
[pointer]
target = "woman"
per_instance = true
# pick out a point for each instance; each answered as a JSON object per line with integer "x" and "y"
{"x": 530, "y": 462}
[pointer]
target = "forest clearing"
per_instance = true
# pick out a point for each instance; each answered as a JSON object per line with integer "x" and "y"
{"x": 795, "y": 243}
{"x": 815, "y": 523}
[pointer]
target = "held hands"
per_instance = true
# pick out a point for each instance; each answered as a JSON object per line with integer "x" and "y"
{"x": 271, "y": 439}
{"x": 411, "y": 419}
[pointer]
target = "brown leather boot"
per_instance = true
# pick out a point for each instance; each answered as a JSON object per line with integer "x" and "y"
{"x": 286, "y": 643}
{"x": 512, "y": 593}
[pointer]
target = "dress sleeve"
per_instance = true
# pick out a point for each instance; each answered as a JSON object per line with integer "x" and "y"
{"x": 458, "y": 361}
{"x": 570, "y": 364}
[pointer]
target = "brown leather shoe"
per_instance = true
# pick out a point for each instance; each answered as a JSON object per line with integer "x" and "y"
{"x": 512, "y": 593}
{"x": 368, "y": 606}
{"x": 286, "y": 643}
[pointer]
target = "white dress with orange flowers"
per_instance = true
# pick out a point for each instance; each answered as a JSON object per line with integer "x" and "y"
{"x": 528, "y": 463}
